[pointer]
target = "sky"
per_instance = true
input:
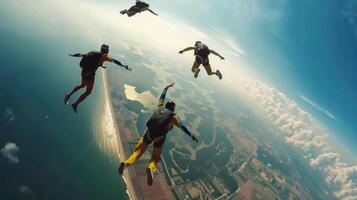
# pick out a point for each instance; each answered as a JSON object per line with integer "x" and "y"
{"x": 305, "y": 48}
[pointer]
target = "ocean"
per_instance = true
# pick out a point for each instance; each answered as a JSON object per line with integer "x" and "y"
{"x": 60, "y": 154}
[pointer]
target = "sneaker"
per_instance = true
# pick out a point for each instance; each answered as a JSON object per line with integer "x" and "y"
{"x": 219, "y": 74}
{"x": 66, "y": 98}
{"x": 74, "y": 106}
{"x": 196, "y": 73}
{"x": 122, "y": 167}
{"x": 149, "y": 176}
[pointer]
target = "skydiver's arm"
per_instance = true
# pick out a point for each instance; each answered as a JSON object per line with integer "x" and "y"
{"x": 187, "y": 49}
{"x": 77, "y": 55}
{"x": 178, "y": 123}
{"x": 163, "y": 95}
{"x": 117, "y": 62}
{"x": 152, "y": 12}
{"x": 217, "y": 54}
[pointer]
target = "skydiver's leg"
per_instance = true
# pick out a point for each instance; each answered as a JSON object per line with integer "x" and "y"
{"x": 130, "y": 14}
{"x": 155, "y": 159}
{"x": 132, "y": 11}
{"x": 123, "y": 11}
{"x": 75, "y": 89}
{"x": 195, "y": 68}
{"x": 156, "y": 154}
{"x": 208, "y": 69}
{"x": 138, "y": 151}
{"x": 89, "y": 89}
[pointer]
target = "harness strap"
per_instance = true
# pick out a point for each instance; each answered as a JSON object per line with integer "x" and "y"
{"x": 155, "y": 139}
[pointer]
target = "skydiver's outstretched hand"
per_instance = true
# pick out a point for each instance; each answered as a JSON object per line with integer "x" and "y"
{"x": 181, "y": 52}
{"x": 195, "y": 139}
{"x": 75, "y": 55}
{"x": 127, "y": 68}
{"x": 222, "y": 58}
{"x": 152, "y": 12}
{"x": 171, "y": 85}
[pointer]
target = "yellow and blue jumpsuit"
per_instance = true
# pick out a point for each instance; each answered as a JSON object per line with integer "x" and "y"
{"x": 157, "y": 140}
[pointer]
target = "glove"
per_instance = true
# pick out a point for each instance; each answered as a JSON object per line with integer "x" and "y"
{"x": 127, "y": 68}
{"x": 171, "y": 85}
{"x": 194, "y": 139}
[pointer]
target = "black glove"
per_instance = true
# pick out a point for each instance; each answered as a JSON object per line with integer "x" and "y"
{"x": 127, "y": 68}
{"x": 194, "y": 139}
{"x": 75, "y": 55}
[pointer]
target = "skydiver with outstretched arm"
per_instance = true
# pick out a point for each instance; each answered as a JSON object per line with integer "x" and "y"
{"x": 201, "y": 51}
{"x": 160, "y": 124}
{"x": 139, "y": 7}
{"x": 89, "y": 64}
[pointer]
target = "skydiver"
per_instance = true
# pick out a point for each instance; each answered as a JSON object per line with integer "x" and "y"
{"x": 139, "y": 7}
{"x": 158, "y": 126}
{"x": 201, "y": 51}
{"x": 89, "y": 64}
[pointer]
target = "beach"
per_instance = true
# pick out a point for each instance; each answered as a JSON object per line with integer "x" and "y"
{"x": 119, "y": 144}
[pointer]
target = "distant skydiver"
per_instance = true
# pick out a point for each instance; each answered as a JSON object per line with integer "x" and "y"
{"x": 201, "y": 51}
{"x": 139, "y": 7}
{"x": 160, "y": 123}
{"x": 89, "y": 64}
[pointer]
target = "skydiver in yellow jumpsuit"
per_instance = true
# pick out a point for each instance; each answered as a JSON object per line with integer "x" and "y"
{"x": 160, "y": 123}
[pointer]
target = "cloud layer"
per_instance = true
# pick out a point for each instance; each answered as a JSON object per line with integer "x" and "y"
{"x": 9, "y": 151}
{"x": 318, "y": 107}
{"x": 302, "y": 131}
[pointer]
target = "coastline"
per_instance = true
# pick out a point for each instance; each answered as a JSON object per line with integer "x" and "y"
{"x": 129, "y": 184}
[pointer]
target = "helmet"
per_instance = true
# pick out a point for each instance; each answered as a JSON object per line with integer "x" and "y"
{"x": 197, "y": 42}
{"x": 104, "y": 49}
{"x": 170, "y": 105}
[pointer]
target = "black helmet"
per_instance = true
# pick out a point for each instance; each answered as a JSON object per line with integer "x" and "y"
{"x": 170, "y": 105}
{"x": 104, "y": 49}
{"x": 197, "y": 42}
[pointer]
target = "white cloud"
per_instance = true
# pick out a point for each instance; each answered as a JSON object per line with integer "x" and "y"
{"x": 318, "y": 107}
{"x": 302, "y": 131}
{"x": 26, "y": 192}
{"x": 9, "y": 151}
{"x": 9, "y": 115}
{"x": 230, "y": 43}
